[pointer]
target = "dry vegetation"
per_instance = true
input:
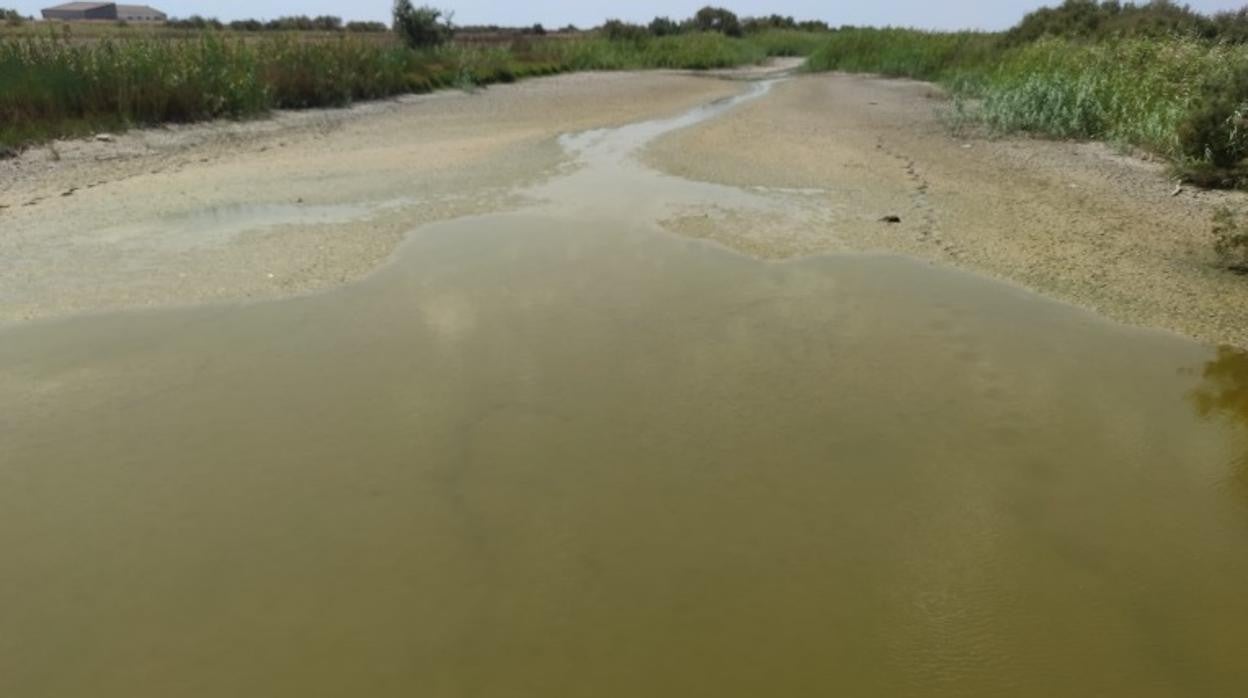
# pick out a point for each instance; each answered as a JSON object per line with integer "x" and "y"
{"x": 60, "y": 80}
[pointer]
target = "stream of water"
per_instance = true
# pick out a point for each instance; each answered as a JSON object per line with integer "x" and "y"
{"x": 559, "y": 452}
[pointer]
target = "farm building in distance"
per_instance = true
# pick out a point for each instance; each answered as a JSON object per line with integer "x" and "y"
{"x": 78, "y": 11}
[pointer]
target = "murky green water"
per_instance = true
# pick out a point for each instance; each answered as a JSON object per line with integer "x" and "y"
{"x": 558, "y": 455}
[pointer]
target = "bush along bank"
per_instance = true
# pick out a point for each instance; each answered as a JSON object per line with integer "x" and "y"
{"x": 1180, "y": 96}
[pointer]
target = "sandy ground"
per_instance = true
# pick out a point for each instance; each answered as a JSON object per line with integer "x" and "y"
{"x": 312, "y": 200}
{"x": 304, "y": 201}
{"x": 1079, "y": 222}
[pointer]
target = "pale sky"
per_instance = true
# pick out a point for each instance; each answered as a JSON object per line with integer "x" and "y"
{"x": 998, "y": 14}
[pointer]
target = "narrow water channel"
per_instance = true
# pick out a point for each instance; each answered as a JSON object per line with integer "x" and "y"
{"x": 559, "y": 452}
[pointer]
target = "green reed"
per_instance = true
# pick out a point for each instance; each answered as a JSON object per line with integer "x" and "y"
{"x": 1142, "y": 92}
{"x": 51, "y": 86}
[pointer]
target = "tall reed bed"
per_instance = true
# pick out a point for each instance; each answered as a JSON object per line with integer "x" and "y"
{"x": 699, "y": 51}
{"x": 904, "y": 52}
{"x": 1137, "y": 91}
{"x": 1155, "y": 94}
{"x": 788, "y": 42}
{"x": 52, "y": 87}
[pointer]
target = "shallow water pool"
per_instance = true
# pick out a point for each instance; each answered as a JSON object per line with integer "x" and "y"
{"x": 560, "y": 453}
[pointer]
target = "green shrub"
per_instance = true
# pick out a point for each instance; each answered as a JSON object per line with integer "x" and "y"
{"x": 1230, "y": 239}
{"x": 753, "y": 25}
{"x": 701, "y": 51}
{"x": 193, "y": 22}
{"x": 421, "y": 27}
{"x": 305, "y": 23}
{"x": 1135, "y": 92}
{"x": 905, "y": 52}
{"x": 698, "y": 51}
{"x": 664, "y": 26}
{"x": 788, "y": 42}
{"x": 366, "y": 27}
{"x": 618, "y": 30}
{"x": 1184, "y": 98}
{"x": 11, "y": 17}
{"x": 1088, "y": 19}
{"x": 1232, "y": 26}
{"x": 1214, "y": 136}
{"x": 716, "y": 19}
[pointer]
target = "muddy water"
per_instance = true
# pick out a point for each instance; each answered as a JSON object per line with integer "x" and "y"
{"x": 561, "y": 453}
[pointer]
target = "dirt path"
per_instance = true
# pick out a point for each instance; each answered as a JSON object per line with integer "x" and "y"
{"x": 305, "y": 201}
{"x": 1074, "y": 221}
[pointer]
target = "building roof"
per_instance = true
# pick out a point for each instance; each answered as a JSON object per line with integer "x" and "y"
{"x": 143, "y": 10}
{"x": 80, "y": 6}
{"x": 138, "y": 10}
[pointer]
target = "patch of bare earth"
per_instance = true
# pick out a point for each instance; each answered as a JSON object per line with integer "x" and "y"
{"x": 1071, "y": 220}
{"x": 300, "y": 202}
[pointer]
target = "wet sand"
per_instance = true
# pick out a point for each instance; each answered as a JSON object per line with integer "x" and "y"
{"x": 1074, "y": 221}
{"x": 313, "y": 200}
{"x": 560, "y": 451}
{"x": 302, "y": 202}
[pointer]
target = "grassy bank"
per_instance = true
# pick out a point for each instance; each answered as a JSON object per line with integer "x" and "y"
{"x": 1182, "y": 97}
{"x": 905, "y": 52}
{"x": 51, "y": 87}
{"x": 698, "y": 51}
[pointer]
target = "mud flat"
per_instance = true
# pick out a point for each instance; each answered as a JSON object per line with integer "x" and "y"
{"x": 313, "y": 200}
{"x": 1078, "y": 222}
{"x": 305, "y": 201}
{"x": 560, "y": 451}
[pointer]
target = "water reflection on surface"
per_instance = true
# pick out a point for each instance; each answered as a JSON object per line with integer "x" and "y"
{"x": 1225, "y": 388}
{"x": 1223, "y": 393}
{"x": 558, "y": 453}
{"x": 541, "y": 458}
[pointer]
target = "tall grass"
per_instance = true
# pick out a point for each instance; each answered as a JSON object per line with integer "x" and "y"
{"x": 1134, "y": 91}
{"x": 51, "y": 87}
{"x": 701, "y": 51}
{"x": 788, "y": 42}
{"x": 1144, "y": 92}
{"x": 904, "y": 52}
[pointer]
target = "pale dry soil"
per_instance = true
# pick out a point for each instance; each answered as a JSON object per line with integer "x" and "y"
{"x": 1077, "y": 221}
{"x": 312, "y": 200}
{"x": 301, "y": 202}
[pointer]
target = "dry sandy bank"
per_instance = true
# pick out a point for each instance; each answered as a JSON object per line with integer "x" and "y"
{"x": 304, "y": 201}
{"x": 1074, "y": 221}
{"x": 311, "y": 200}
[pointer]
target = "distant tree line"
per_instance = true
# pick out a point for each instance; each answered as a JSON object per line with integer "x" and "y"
{"x": 535, "y": 29}
{"x": 753, "y": 25}
{"x": 11, "y": 17}
{"x": 324, "y": 23}
{"x": 707, "y": 19}
{"x": 428, "y": 26}
{"x": 1092, "y": 20}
